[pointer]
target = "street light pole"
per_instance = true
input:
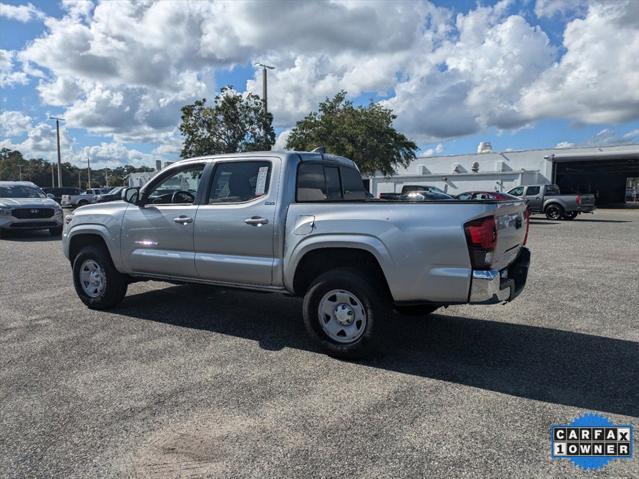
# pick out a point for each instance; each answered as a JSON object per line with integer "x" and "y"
{"x": 265, "y": 69}
{"x": 57, "y": 130}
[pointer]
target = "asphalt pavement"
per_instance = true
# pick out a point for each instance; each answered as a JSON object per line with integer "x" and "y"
{"x": 184, "y": 381}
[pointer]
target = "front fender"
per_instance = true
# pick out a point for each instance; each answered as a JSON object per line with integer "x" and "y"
{"x": 111, "y": 240}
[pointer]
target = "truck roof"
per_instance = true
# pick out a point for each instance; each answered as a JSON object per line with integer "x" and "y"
{"x": 284, "y": 155}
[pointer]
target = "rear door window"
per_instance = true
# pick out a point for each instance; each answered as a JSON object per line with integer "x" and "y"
{"x": 532, "y": 190}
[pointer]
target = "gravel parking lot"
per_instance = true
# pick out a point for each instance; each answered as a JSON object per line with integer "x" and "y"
{"x": 194, "y": 382}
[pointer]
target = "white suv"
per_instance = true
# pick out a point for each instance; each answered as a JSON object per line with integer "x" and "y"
{"x": 24, "y": 206}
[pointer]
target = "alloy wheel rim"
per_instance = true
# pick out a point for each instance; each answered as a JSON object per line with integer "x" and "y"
{"x": 342, "y": 316}
{"x": 92, "y": 278}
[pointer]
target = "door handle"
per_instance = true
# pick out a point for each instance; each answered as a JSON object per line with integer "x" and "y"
{"x": 256, "y": 221}
{"x": 183, "y": 220}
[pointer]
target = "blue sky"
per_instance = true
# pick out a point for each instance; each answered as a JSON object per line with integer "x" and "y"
{"x": 520, "y": 74}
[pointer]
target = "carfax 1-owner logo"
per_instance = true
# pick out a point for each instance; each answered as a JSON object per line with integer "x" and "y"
{"x": 591, "y": 441}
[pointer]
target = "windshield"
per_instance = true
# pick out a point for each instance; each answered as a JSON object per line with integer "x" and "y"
{"x": 20, "y": 191}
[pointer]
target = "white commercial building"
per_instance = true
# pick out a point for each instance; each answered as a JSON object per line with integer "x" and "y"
{"x": 609, "y": 172}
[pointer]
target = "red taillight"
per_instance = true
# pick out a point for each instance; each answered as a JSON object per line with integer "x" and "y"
{"x": 527, "y": 220}
{"x": 578, "y": 200}
{"x": 481, "y": 235}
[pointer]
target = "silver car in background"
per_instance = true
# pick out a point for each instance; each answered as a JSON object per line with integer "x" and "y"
{"x": 24, "y": 206}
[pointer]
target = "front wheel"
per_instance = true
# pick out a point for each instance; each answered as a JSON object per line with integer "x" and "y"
{"x": 554, "y": 212}
{"x": 570, "y": 215}
{"x": 344, "y": 311}
{"x": 98, "y": 284}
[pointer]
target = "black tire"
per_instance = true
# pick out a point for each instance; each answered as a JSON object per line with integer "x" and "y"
{"x": 55, "y": 231}
{"x": 570, "y": 215}
{"x": 554, "y": 211}
{"x": 374, "y": 301}
{"x": 115, "y": 283}
{"x": 82, "y": 203}
{"x": 422, "y": 310}
{"x": 2, "y": 234}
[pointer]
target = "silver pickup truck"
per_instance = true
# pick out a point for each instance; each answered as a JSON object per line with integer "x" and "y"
{"x": 547, "y": 199}
{"x": 302, "y": 224}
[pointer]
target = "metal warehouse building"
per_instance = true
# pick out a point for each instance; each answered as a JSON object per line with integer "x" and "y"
{"x": 611, "y": 173}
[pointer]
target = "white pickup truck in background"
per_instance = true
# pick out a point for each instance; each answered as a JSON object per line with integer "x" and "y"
{"x": 89, "y": 196}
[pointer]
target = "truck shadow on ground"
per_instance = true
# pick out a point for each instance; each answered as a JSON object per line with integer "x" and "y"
{"x": 580, "y": 370}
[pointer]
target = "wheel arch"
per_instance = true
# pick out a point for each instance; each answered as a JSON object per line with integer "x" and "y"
{"x": 82, "y": 236}
{"x": 320, "y": 258}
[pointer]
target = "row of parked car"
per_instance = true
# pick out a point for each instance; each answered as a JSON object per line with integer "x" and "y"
{"x": 545, "y": 199}
{"x": 72, "y": 197}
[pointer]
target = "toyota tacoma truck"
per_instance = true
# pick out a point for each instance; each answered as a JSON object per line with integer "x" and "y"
{"x": 300, "y": 223}
{"x": 547, "y": 199}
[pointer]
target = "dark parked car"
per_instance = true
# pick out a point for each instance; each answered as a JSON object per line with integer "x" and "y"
{"x": 57, "y": 192}
{"x": 113, "y": 194}
{"x": 485, "y": 195}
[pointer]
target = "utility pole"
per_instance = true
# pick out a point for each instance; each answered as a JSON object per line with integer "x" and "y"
{"x": 106, "y": 177}
{"x": 79, "y": 178}
{"x": 57, "y": 130}
{"x": 89, "y": 170}
{"x": 52, "y": 177}
{"x": 265, "y": 69}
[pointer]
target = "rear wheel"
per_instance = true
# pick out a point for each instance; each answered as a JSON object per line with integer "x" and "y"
{"x": 345, "y": 313}
{"x": 554, "y": 212}
{"x": 98, "y": 284}
{"x": 570, "y": 215}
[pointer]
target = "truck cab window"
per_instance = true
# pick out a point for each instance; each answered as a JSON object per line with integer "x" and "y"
{"x": 532, "y": 190}
{"x": 180, "y": 187}
{"x": 352, "y": 184}
{"x": 240, "y": 181}
{"x": 519, "y": 191}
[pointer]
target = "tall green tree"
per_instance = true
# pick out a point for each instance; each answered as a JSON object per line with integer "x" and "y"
{"x": 365, "y": 134}
{"x": 234, "y": 123}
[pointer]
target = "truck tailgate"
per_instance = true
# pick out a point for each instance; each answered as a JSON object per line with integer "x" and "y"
{"x": 586, "y": 201}
{"x": 510, "y": 220}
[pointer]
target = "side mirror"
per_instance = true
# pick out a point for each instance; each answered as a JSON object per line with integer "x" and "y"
{"x": 50, "y": 196}
{"x": 131, "y": 195}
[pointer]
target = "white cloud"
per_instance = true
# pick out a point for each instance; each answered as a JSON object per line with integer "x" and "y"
{"x": 8, "y": 76}
{"x": 20, "y": 13}
{"x": 596, "y": 79}
{"x": 473, "y": 81}
{"x": 111, "y": 155}
{"x": 565, "y": 144}
{"x": 14, "y": 123}
{"x": 282, "y": 138}
{"x": 552, "y": 8}
{"x": 123, "y": 69}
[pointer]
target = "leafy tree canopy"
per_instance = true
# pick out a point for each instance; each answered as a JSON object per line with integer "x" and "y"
{"x": 364, "y": 134}
{"x": 234, "y": 123}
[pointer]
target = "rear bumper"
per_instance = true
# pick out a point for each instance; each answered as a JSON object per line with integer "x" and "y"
{"x": 493, "y": 286}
